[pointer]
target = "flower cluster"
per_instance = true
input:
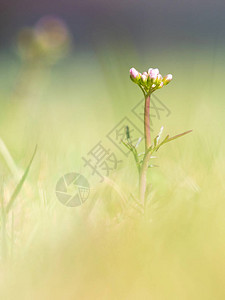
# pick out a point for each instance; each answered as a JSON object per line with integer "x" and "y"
{"x": 149, "y": 81}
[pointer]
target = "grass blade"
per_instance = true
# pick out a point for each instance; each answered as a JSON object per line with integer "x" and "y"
{"x": 3, "y": 225}
{"x": 9, "y": 160}
{"x": 20, "y": 184}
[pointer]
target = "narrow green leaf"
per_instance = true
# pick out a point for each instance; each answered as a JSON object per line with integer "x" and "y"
{"x": 126, "y": 145}
{"x": 20, "y": 184}
{"x": 178, "y": 135}
{"x": 134, "y": 151}
{"x": 155, "y": 141}
{"x": 163, "y": 142}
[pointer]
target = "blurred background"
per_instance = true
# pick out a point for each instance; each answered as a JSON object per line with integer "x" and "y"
{"x": 141, "y": 22}
{"x": 64, "y": 86}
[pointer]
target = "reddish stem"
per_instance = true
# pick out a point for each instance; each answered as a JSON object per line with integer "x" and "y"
{"x": 144, "y": 167}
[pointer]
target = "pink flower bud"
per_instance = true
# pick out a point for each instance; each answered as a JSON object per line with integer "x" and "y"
{"x": 156, "y": 71}
{"x": 167, "y": 79}
{"x": 135, "y": 75}
{"x": 153, "y": 74}
{"x": 158, "y": 79}
{"x": 144, "y": 78}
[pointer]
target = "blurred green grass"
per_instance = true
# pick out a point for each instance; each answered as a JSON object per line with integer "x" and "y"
{"x": 177, "y": 250}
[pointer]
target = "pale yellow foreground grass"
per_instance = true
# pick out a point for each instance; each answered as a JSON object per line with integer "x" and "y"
{"x": 103, "y": 250}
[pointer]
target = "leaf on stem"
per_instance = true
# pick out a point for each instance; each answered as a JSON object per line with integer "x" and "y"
{"x": 133, "y": 149}
{"x": 179, "y": 135}
{"x": 168, "y": 139}
{"x": 126, "y": 145}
